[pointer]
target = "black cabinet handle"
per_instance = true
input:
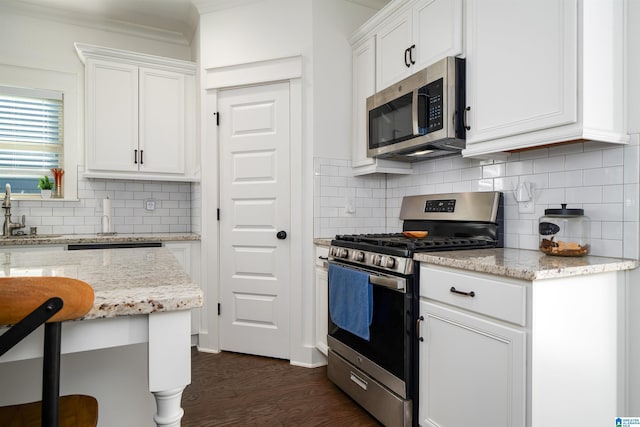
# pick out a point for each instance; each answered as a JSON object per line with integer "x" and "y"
{"x": 467, "y": 294}
{"x": 141, "y": 158}
{"x": 411, "y": 54}
{"x": 281, "y": 235}
{"x": 418, "y": 320}
{"x": 464, "y": 120}
{"x": 406, "y": 61}
{"x": 135, "y": 157}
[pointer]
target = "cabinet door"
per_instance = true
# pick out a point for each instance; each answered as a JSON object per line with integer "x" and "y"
{"x": 112, "y": 116}
{"x": 521, "y": 66}
{"x": 472, "y": 371}
{"x": 364, "y": 85}
{"x": 437, "y": 31}
{"x": 162, "y": 118}
{"x": 322, "y": 299}
{"x": 392, "y": 41}
{"x": 322, "y": 307}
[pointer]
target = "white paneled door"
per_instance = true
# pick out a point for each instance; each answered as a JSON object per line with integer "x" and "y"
{"x": 254, "y": 211}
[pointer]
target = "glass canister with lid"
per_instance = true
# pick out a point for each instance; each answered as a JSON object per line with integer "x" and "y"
{"x": 564, "y": 232}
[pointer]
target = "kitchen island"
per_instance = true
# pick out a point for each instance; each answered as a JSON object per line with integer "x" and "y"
{"x": 142, "y": 295}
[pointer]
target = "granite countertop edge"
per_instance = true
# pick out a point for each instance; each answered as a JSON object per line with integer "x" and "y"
{"x": 322, "y": 241}
{"x": 525, "y": 264}
{"x": 126, "y": 282}
{"x": 65, "y": 239}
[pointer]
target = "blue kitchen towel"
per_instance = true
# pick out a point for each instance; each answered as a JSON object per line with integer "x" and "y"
{"x": 350, "y": 300}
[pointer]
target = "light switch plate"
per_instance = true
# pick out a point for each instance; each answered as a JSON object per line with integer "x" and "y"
{"x": 150, "y": 204}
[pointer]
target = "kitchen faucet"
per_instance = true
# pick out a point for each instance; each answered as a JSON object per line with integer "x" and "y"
{"x": 8, "y": 226}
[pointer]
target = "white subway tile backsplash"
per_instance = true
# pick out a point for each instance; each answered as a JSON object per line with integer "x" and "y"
{"x": 613, "y": 157}
{"x": 600, "y": 178}
{"x": 603, "y": 176}
{"x": 549, "y": 164}
{"x": 494, "y": 171}
{"x": 177, "y": 208}
{"x": 579, "y": 195}
{"x": 587, "y": 160}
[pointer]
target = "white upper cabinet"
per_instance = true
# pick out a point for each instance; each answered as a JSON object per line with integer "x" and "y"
{"x": 161, "y": 118}
{"x": 111, "y": 117}
{"x": 415, "y": 36}
{"x": 543, "y": 72}
{"x": 364, "y": 73}
{"x": 140, "y": 116}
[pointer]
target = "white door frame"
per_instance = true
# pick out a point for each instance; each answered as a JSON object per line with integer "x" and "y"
{"x": 289, "y": 69}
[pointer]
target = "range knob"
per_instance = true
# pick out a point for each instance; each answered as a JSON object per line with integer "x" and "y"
{"x": 359, "y": 256}
{"x": 342, "y": 253}
{"x": 377, "y": 260}
{"x": 390, "y": 263}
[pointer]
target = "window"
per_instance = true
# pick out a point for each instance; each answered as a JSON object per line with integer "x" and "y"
{"x": 31, "y": 136}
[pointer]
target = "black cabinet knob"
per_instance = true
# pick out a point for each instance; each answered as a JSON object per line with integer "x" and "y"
{"x": 281, "y": 235}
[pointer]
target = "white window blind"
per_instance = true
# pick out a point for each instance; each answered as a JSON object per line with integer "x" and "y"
{"x": 31, "y": 136}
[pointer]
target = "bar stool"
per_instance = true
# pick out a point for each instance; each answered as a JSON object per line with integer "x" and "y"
{"x": 26, "y": 303}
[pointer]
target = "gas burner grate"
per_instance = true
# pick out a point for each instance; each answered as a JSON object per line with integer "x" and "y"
{"x": 413, "y": 244}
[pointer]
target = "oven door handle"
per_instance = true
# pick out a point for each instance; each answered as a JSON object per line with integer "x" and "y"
{"x": 396, "y": 283}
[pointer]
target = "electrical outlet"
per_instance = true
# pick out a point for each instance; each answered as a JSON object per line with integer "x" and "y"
{"x": 150, "y": 204}
{"x": 526, "y": 207}
{"x": 350, "y": 206}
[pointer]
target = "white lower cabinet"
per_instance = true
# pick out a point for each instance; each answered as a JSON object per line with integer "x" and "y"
{"x": 473, "y": 353}
{"x": 497, "y": 351}
{"x": 322, "y": 298}
{"x": 474, "y": 370}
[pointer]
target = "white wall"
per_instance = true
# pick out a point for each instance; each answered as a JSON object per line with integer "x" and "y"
{"x": 258, "y": 31}
{"x": 43, "y": 46}
{"x": 333, "y": 23}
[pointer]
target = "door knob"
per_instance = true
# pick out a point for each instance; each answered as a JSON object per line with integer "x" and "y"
{"x": 281, "y": 235}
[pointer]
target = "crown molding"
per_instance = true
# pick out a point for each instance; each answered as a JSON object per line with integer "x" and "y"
{"x": 90, "y": 51}
{"x": 208, "y": 6}
{"x": 96, "y": 23}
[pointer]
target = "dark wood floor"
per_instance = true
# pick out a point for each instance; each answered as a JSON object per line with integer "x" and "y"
{"x": 230, "y": 389}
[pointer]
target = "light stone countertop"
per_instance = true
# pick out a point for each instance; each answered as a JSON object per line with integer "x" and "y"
{"x": 65, "y": 239}
{"x": 125, "y": 281}
{"x": 525, "y": 264}
{"x": 322, "y": 241}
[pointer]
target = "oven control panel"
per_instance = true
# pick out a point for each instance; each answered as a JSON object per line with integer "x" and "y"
{"x": 440, "y": 205}
{"x": 371, "y": 259}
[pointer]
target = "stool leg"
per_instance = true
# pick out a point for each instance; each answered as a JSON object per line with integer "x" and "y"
{"x": 51, "y": 374}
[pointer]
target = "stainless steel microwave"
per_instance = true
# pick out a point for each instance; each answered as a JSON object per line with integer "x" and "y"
{"x": 421, "y": 116}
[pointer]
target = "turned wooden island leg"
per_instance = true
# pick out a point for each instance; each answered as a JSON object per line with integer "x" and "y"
{"x": 169, "y": 363}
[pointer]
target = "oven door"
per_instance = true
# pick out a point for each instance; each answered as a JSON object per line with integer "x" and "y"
{"x": 389, "y": 355}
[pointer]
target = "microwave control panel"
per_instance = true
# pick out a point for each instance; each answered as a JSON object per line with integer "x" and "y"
{"x": 433, "y": 116}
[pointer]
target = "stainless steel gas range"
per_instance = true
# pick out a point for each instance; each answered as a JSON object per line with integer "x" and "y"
{"x": 374, "y": 297}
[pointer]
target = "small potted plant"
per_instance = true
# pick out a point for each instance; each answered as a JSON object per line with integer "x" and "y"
{"x": 45, "y": 186}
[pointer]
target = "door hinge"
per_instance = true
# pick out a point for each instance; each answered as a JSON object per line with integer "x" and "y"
{"x": 218, "y": 309}
{"x": 218, "y": 213}
{"x": 217, "y": 118}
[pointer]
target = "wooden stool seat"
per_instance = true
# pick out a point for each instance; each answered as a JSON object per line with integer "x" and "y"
{"x": 26, "y": 303}
{"x": 76, "y": 410}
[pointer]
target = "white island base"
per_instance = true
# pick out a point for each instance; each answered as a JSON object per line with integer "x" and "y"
{"x": 106, "y": 358}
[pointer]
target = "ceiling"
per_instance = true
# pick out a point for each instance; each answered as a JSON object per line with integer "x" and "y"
{"x": 179, "y": 17}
